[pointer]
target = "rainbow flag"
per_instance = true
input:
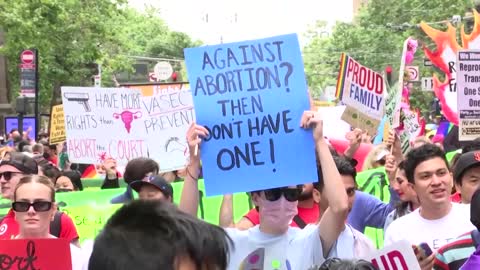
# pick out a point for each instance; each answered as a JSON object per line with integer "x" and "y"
{"x": 444, "y": 127}
{"x": 90, "y": 172}
{"x": 341, "y": 76}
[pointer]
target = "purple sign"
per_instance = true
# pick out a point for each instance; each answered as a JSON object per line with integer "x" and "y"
{"x": 28, "y": 122}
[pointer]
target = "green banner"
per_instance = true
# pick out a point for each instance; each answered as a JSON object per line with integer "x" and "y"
{"x": 375, "y": 182}
{"x": 91, "y": 208}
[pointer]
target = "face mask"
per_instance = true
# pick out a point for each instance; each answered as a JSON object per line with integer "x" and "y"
{"x": 277, "y": 215}
{"x": 64, "y": 190}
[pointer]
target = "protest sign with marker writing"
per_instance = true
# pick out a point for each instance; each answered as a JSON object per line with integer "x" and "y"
{"x": 99, "y": 122}
{"x": 250, "y": 96}
{"x": 168, "y": 116}
{"x": 362, "y": 90}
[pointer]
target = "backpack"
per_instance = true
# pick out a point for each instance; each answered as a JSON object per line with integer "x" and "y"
{"x": 56, "y": 224}
{"x": 476, "y": 238}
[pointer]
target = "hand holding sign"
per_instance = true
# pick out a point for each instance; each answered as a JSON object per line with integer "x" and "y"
{"x": 247, "y": 95}
{"x": 195, "y": 134}
{"x": 312, "y": 119}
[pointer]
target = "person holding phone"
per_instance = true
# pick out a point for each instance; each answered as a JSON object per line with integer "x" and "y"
{"x": 437, "y": 221}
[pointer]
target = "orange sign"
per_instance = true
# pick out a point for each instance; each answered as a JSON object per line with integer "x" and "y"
{"x": 153, "y": 89}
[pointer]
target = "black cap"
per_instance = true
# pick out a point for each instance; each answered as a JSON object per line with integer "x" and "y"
{"x": 156, "y": 181}
{"x": 475, "y": 209}
{"x": 22, "y": 162}
{"x": 465, "y": 162}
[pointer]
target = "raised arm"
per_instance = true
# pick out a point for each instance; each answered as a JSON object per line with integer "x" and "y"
{"x": 189, "y": 198}
{"x": 226, "y": 212}
{"x": 332, "y": 222}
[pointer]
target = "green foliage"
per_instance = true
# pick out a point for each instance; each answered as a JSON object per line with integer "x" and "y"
{"x": 72, "y": 36}
{"x": 375, "y": 39}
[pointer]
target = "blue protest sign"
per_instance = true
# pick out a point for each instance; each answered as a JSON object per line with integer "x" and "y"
{"x": 250, "y": 96}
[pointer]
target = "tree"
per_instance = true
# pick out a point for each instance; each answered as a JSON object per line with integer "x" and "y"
{"x": 375, "y": 39}
{"x": 69, "y": 36}
{"x": 74, "y": 37}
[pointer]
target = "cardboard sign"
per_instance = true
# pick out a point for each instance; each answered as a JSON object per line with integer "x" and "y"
{"x": 19, "y": 254}
{"x": 363, "y": 91}
{"x": 250, "y": 96}
{"x": 396, "y": 256}
{"x": 468, "y": 83}
{"x": 102, "y": 122}
{"x": 57, "y": 125}
{"x": 168, "y": 115}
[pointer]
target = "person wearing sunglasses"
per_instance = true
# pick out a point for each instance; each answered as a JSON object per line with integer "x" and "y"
{"x": 285, "y": 247}
{"x": 34, "y": 207}
{"x": 12, "y": 168}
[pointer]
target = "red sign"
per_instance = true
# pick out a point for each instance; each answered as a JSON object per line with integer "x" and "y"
{"x": 27, "y": 57}
{"x": 35, "y": 254}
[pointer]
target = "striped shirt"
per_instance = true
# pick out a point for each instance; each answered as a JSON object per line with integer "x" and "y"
{"x": 454, "y": 254}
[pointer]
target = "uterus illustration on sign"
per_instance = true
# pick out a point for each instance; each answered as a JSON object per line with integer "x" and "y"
{"x": 127, "y": 118}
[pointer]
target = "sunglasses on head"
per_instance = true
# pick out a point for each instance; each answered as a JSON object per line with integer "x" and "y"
{"x": 290, "y": 194}
{"x": 40, "y": 206}
{"x": 7, "y": 175}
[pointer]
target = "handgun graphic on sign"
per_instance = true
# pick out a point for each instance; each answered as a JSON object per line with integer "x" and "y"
{"x": 81, "y": 98}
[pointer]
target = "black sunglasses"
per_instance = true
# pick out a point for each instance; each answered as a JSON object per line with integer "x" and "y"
{"x": 7, "y": 175}
{"x": 40, "y": 206}
{"x": 290, "y": 194}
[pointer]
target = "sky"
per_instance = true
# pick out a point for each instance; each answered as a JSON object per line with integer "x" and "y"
{"x": 254, "y": 18}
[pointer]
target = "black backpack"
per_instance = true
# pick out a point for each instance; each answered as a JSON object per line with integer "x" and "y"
{"x": 56, "y": 224}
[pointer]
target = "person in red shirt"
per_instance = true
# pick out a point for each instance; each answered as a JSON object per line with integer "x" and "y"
{"x": 13, "y": 167}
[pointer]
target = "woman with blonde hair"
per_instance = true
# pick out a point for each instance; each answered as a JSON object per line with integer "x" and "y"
{"x": 34, "y": 206}
{"x": 376, "y": 157}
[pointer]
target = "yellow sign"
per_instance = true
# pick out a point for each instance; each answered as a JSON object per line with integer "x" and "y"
{"x": 57, "y": 125}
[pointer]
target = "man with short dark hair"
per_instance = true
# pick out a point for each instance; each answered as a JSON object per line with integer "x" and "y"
{"x": 151, "y": 235}
{"x": 437, "y": 221}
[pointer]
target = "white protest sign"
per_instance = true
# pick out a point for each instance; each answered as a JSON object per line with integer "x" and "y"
{"x": 362, "y": 90}
{"x": 411, "y": 129}
{"x": 468, "y": 100}
{"x": 168, "y": 115}
{"x": 334, "y": 126}
{"x": 399, "y": 256}
{"x": 101, "y": 122}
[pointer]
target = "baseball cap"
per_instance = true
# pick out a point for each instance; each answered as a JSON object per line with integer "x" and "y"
{"x": 475, "y": 209}
{"x": 156, "y": 181}
{"x": 465, "y": 162}
{"x": 382, "y": 154}
{"x": 22, "y": 162}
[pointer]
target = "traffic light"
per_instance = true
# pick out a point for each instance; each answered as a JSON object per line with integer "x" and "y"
{"x": 388, "y": 71}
